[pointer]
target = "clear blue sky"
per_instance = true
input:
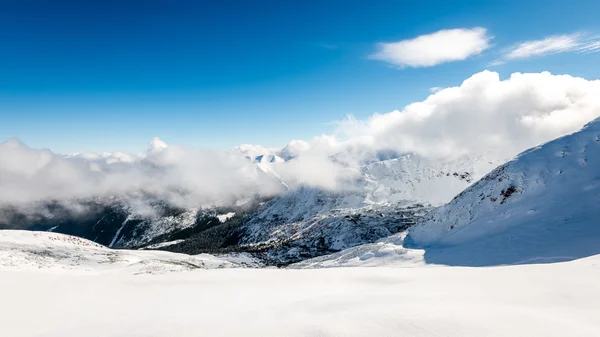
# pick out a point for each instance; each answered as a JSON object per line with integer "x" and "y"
{"x": 110, "y": 75}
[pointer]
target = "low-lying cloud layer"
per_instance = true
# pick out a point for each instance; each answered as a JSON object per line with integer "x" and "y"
{"x": 178, "y": 174}
{"x": 483, "y": 115}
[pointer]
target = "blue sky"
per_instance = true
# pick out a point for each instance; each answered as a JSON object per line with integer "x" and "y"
{"x": 110, "y": 75}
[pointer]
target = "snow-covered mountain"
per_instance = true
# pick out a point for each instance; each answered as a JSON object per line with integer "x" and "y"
{"x": 417, "y": 179}
{"x": 547, "y": 199}
{"x": 543, "y": 206}
{"x": 293, "y": 149}
{"x": 22, "y": 250}
{"x": 385, "y": 193}
{"x": 116, "y": 223}
{"x": 309, "y": 222}
{"x": 156, "y": 145}
{"x": 389, "y": 193}
{"x": 388, "y": 197}
{"x": 258, "y": 153}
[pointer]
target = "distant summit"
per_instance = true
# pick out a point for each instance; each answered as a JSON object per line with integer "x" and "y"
{"x": 156, "y": 145}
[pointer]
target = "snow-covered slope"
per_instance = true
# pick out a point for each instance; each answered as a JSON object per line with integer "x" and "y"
{"x": 26, "y": 250}
{"x": 544, "y": 205}
{"x": 553, "y": 300}
{"x": 386, "y": 252}
{"x": 309, "y": 222}
{"x": 427, "y": 181}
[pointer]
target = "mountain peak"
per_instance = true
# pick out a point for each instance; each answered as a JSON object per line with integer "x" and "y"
{"x": 156, "y": 145}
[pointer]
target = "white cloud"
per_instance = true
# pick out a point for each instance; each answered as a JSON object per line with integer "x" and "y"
{"x": 592, "y": 47}
{"x": 184, "y": 176}
{"x": 549, "y": 45}
{"x": 484, "y": 114}
{"x": 496, "y": 63}
{"x": 577, "y": 42}
{"x": 433, "y": 49}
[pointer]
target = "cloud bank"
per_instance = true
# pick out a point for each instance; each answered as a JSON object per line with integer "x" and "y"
{"x": 484, "y": 114}
{"x": 181, "y": 175}
{"x": 433, "y": 49}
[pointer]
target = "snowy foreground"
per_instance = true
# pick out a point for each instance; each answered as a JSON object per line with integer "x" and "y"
{"x": 25, "y": 250}
{"x": 55, "y": 296}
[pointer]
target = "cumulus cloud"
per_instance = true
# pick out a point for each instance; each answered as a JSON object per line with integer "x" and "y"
{"x": 577, "y": 42}
{"x": 433, "y": 49}
{"x": 484, "y": 114}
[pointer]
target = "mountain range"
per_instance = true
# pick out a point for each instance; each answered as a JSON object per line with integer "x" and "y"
{"x": 385, "y": 193}
{"x": 518, "y": 211}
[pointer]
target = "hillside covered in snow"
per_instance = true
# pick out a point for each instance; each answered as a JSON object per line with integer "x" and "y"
{"x": 27, "y": 250}
{"x": 542, "y": 206}
{"x": 46, "y": 277}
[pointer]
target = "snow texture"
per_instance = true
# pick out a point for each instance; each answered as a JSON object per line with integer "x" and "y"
{"x": 25, "y": 250}
{"x": 529, "y": 300}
